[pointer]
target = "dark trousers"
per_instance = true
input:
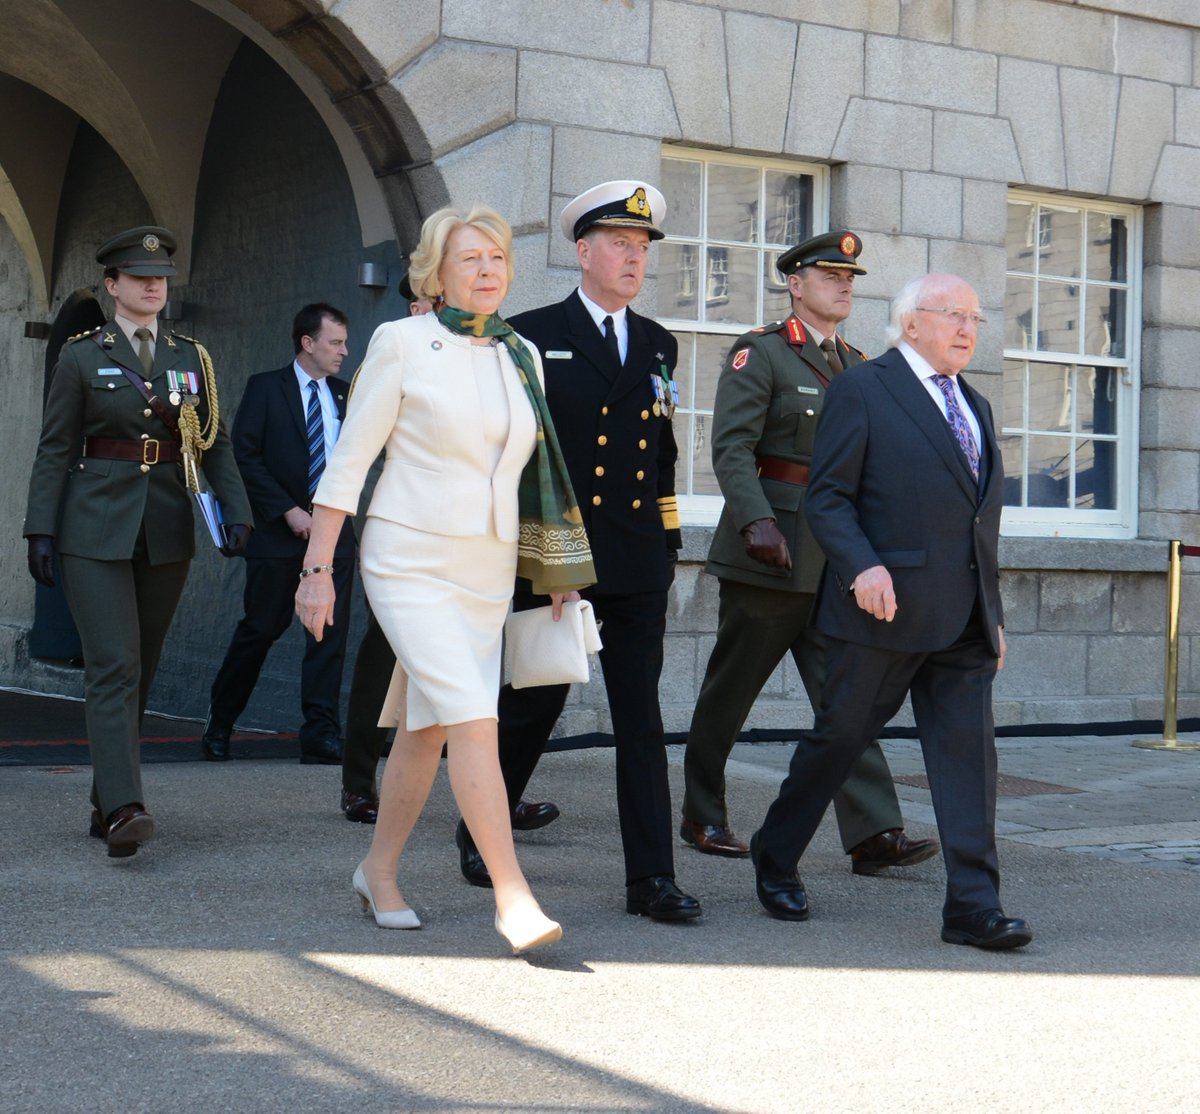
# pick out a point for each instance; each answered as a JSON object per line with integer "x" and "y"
{"x": 270, "y": 600}
{"x": 756, "y": 627}
{"x": 122, "y": 610}
{"x": 365, "y": 739}
{"x": 633, "y": 627}
{"x": 952, "y": 703}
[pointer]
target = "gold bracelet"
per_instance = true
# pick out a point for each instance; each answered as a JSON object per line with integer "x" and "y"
{"x": 315, "y": 569}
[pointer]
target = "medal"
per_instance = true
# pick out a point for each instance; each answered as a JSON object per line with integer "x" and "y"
{"x": 174, "y": 397}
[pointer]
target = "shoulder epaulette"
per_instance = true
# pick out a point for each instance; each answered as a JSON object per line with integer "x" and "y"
{"x": 190, "y": 340}
{"x": 86, "y": 333}
{"x": 774, "y": 327}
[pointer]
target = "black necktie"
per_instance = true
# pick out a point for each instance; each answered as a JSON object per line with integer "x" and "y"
{"x": 831, "y": 355}
{"x": 610, "y": 341}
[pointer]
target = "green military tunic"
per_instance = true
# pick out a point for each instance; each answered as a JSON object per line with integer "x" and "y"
{"x": 124, "y": 528}
{"x": 768, "y": 401}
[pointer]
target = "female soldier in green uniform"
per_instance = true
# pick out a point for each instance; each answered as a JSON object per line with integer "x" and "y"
{"x": 131, "y": 411}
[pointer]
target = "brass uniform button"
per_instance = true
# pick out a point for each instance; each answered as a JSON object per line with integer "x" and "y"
{"x": 599, "y": 469}
{"x": 145, "y": 437}
{"x": 596, "y": 500}
{"x": 146, "y": 413}
{"x": 642, "y": 443}
{"x": 112, "y": 386}
{"x": 636, "y": 503}
{"x": 604, "y": 410}
{"x": 645, "y": 414}
{"x": 145, "y": 467}
{"x": 602, "y": 440}
{"x": 640, "y": 474}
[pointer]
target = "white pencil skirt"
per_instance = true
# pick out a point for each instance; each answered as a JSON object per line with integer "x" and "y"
{"x": 442, "y": 602}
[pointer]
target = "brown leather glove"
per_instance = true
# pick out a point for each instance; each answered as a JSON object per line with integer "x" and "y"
{"x": 237, "y": 534}
{"x": 766, "y": 544}
{"x": 41, "y": 558}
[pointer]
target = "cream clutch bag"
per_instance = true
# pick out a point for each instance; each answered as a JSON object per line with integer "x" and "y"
{"x": 539, "y": 651}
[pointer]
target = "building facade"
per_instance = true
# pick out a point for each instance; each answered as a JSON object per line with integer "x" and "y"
{"x": 1047, "y": 151}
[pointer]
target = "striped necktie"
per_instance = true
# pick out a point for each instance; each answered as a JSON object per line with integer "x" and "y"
{"x": 958, "y": 423}
{"x": 316, "y": 438}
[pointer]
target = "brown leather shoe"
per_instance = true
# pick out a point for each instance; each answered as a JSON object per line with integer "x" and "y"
{"x": 713, "y": 839}
{"x": 891, "y": 848}
{"x": 128, "y": 827}
{"x": 362, "y": 810}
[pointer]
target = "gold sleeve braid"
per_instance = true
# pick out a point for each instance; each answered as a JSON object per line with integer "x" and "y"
{"x": 669, "y": 509}
{"x": 194, "y": 439}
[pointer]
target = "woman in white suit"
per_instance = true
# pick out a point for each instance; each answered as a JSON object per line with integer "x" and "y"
{"x": 455, "y": 399}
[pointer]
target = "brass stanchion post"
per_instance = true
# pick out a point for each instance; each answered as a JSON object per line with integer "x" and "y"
{"x": 1170, "y": 738}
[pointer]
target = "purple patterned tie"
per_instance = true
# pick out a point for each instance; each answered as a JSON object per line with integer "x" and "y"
{"x": 958, "y": 423}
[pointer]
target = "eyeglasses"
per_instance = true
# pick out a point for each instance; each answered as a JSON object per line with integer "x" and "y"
{"x": 958, "y": 316}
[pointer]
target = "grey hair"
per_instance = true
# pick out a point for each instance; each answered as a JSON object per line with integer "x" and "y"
{"x": 904, "y": 305}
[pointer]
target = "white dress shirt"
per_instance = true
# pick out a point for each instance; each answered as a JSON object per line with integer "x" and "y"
{"x": 599, "y": 313}
{"x": 925, "y": 372}
{"x": 330, "y": 421}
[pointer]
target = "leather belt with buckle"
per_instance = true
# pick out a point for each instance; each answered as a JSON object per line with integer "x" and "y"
{"x": 785, "y": 471}
{"x": 149, "y": 451}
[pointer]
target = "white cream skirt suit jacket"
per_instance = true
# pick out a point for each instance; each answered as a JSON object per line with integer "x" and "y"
{"x": 439, "y": 549}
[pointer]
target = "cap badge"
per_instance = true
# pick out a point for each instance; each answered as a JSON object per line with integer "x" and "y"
{"x": 150, "y": 242}
{"x": 638, "y": 205}
{"x": 848, "y": 245}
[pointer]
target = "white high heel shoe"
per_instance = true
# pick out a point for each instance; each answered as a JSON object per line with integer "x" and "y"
{"x": 534, "y": 931}
{"x": 398, "y": 918}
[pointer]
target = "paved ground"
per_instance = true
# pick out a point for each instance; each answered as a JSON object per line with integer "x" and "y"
{"x": 227, "y": 966}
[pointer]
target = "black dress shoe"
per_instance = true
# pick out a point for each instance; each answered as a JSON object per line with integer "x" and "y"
{"x": 470, "y": 861}
{"x": 780, "y": 891}
{"x": 713, "y": 839}
{"x": 126, "y": 829}
{"x": 658, "y": 898}
{"x": 530, "y": 815}
{"x": 362, "y": 810}
{"x": 890, "y": 848}
{"x": 214, "y": 743}
{"x": 326, "y": 752}
{"x": 990, "y": 929}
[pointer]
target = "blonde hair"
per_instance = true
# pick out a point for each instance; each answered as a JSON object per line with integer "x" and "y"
{"x": 430, "y": 251}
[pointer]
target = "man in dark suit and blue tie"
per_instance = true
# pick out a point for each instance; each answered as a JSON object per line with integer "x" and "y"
{"x": 283, "y": 432}
{"x": 904, "y": 499}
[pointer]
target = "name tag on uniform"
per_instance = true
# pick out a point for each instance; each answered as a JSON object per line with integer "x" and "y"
{"x": 560, "y": 355}
{"x": 109, "y": 371}
{"x": 809, "y": 390}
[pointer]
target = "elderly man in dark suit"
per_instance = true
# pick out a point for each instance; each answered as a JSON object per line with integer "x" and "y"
{"x": 905, "y": 498}
{"x": 283, "y": 432}
{"x": 608, "y": 385}
{"x": 768, "y": 403}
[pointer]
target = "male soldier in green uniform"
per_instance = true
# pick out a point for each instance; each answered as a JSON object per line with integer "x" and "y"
{"x": 131, "y": 409}
{"x": 768, "y": 401}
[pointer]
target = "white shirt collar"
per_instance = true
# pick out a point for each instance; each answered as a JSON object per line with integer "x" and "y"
{"x": 599, "y": 313}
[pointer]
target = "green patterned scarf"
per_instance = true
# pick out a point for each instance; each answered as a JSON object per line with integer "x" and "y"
{"x": 552, "y": 547}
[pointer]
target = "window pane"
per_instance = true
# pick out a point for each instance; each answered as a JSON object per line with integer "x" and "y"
{"x": 681, "y": 185}
{"x": 1021, "y": 236}
{"x": 777, "y": 303}
{"x": 1012, "y": 452}
{"x": 1060, "y": 235}
{"x": 679, "y": 281}
{"x": 1107, "y": 246}
{"x": 683, "y": 368}
{"x": 789, "y": 208}
{"x": 1058, "y": 317}
{"x": 1049, "y": 470}
{"x": 1018, "y": 313}
{"x": 1105, "y": 322}
{"x": 704, "y": 480}
{"x": 1050, "y": 397}
{"x": 1096, "y": 476}
{"x": 710, "y": 358}
{"x": 1013, "y": 416}
{"x": 731, "y": 288}
{"x": 1099, "y": 392}
{"x": 733, "y": 203}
